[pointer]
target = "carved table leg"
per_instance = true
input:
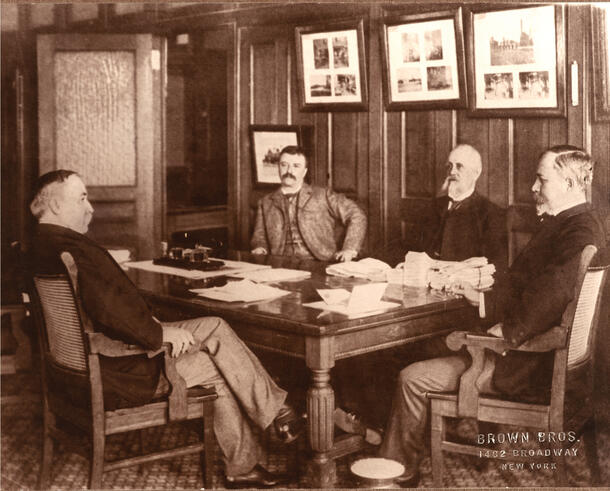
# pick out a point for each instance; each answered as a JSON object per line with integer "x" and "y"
{"x": 321, "y": 470}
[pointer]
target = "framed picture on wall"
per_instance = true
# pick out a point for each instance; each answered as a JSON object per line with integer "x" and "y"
{"x": 423, "y": 57}
{"x": 331, "y": 66}
{"x": 517, "y": 62}
{"x": 600, "y": 43}
{"x": 266, "y": 143}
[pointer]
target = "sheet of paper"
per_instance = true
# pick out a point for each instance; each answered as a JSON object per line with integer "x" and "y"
{"x": 230, "y": 267}
{"x": 366, "y": 297}
{"x": 363, "y": 298}
{"x": 273, "y": 275}
{"x": 241, "y": 291}
{"x": 334, "y": 295}
{"x": 342, "y": 308}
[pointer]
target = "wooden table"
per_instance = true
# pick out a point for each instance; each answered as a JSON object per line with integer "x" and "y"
{"x": 285, "y": 326}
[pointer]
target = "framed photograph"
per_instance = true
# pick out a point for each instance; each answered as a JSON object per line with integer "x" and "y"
{"x": 517, "y": 62}
{"x": 600, "y": 43}
{"x": 266, "y": 142}
{"x": 331, "y": 67}
{"x": 423, "y": 57}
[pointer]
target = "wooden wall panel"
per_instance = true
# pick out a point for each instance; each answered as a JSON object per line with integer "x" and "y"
{"x": 345, "y": 152}
{"x": 419, "y": 162}
{"x": 531, "y": 138}
{"x": 497, "y": 166}
{"x": 263, "y": 84}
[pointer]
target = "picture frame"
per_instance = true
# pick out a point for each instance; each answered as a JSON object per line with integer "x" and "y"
{"x": 331, "y": 66}
{"x": 600, "y": 46}
{"x": 517, "y": 62}
{"x": 266, "y": 142}
{"x": 423, "y": 61}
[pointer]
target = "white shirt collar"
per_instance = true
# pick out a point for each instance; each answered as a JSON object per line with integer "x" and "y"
{"x": 567, "y": 206}
{"x": 463, "y": 196}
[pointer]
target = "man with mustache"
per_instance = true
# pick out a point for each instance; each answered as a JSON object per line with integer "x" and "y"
{"x": 306, "y": 221}
{"x": 529, "y": 300}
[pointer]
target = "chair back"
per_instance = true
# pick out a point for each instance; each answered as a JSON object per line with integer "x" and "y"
{"x": 61, "y": 321}
{"x": 582, "y": 315}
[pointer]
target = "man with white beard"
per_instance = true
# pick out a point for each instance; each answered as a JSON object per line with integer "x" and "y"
{"x": 464, "y": 223}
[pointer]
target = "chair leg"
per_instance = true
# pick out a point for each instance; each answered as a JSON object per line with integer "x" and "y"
{"x": 437, "y": 435}
{"x": 591, "y": 452}
{"x": 97, "y": 458}
{"x": 44, "y": 478}
{"x": 209, "y": 442}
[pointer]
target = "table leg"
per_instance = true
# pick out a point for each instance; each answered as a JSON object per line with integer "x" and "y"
{"x": 321, "y": 469}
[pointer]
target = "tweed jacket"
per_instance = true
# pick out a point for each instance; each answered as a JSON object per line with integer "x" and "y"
{"x": 113, "y": 304}
{"x": 538, "y": 288}
{"x": 328, "y": 222}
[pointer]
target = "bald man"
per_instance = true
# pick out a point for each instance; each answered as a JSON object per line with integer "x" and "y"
{"x": 463, "y": 223}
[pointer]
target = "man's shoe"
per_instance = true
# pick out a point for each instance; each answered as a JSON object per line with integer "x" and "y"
{"x": 258, "y": 477}
{"x": 288, "y": 425}
{"x": 351, "y": 423}
{"x": 408, "y": 481}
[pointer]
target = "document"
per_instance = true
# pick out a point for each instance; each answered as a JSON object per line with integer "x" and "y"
{"x": 368, "y": 268}
{"x": 273, "y": 275}
{"x": 363, "y": 298}
{"x": 230, "y": 267}
{"x": 241, "y": 291}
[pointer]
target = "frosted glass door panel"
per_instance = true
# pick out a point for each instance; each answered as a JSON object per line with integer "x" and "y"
{"x": 95, "y": 97}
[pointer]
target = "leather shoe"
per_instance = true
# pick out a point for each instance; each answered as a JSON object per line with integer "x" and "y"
{"x": 408, "y": 481}
{"x": 351, "y": 423}
{"x": 258, "y": 477}
{"x": 288, "y": 425}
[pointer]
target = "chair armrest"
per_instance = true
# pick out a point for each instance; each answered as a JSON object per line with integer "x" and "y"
{"x": 178, "y": 403}
{"x": 457, "y": 339}
{"x": 554, "y": 338}
{"x": 103, "y": 345}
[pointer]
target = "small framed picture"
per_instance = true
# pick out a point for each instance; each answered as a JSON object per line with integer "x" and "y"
{"x": 600, "y": 44}
{"x": 517, "y": 61}
{"x": 331, "y": 67}
{"x": 266, "y": 142}
{"x": 423, "y": 57}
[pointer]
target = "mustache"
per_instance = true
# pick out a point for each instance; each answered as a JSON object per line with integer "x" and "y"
{"x": 288, "y": 174}
{"x": 448, "y": 179}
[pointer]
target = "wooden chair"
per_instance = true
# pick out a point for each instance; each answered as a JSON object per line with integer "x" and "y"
{"x": 70, "y": 352}
{"x": 570, "y": 407}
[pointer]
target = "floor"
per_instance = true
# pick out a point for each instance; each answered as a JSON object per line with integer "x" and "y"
{"x": 21, "y": 444}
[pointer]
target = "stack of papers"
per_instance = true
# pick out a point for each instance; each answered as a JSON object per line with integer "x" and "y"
{"x": 421, "y": 270}
{"x": 368, "y": 268}
{"x": 241, "y": 291}
{"x": 416, "y": 268}
{"x": 273, "y": 275}
{"x": 475, "y": 271}
{"x": 363, "y": 298}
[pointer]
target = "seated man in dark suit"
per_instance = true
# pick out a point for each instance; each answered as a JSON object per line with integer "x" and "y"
{"x": 462, "y": 223}
{"x": 208, "y": 351}
{"x": 530, "y": 300}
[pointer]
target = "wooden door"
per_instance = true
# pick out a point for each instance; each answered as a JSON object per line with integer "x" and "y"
{"x": 100, "y": 114}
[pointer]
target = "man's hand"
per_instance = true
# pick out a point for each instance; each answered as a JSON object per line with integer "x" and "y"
{"x": 467, "y": 291}
{"x": 496, "y": 330}
{"x": 345, "y": 255}
{"x": 180, "y": 339}
{"x": 259, "y": 250}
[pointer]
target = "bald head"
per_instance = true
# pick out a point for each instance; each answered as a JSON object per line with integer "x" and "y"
{"x": 463, "y": 169}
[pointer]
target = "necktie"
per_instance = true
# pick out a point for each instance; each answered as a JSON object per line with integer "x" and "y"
{"x": 453, "y": 204}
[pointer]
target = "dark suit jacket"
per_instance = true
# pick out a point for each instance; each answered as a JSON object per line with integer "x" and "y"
{"x": 328, "y": 222}
{"x": 476, "y": 227}
{"x": 538, "y": 288}
{"x": 113, "y": 304}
